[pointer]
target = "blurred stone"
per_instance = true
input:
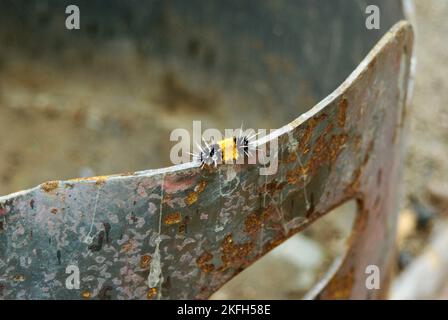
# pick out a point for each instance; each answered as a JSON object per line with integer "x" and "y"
{"x": 407, "y": 222}
{"x": 438, "y": 195}
{"x": 426, "y": 276}
{"x": 425, "y": 214}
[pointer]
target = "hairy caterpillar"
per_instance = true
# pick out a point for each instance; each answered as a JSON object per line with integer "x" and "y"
{"x": 227, "y": 150}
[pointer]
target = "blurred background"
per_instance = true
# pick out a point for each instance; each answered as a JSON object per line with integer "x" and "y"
{"x": 71, "y": 108}
{"x": 422, "y": 229}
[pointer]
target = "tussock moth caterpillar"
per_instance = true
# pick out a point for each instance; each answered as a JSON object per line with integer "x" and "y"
{"x": 227, "y": 150}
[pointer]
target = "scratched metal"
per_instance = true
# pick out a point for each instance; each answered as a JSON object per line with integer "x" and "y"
{"x": 182, "y": 232}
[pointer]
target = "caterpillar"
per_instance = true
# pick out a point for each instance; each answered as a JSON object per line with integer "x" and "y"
{"x": 227, "y": 150}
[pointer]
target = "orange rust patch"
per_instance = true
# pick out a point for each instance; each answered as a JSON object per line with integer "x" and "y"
{"x": 291, "y": 158}
{"x": 49, "y": 186}
{"x": 203, "y": 260}
{"x": 341, "y": 287}
{"x": 172, "y": 218}
{"x": 151, "y": 293}
{"x": 252, "y": 223}
{"x": 304, "y": 146}
{"x": 54, "y": 210}
{"x": 267, "y": 213}
{"x": 326, "y": 150}
{"x": 145, "y": 261}
{"x": 200, "y": 187}
{"x": 296, "y": 175}
{"x": 86, "y": 294}
{"x": 274, "y": 243}
{"x": 99, "y": 180}
{"x": 234, "y": 253}
{"x": 342, "y": 111}
{"x": 311, "y": 125}
{"x": 193, "y": 196}
{"x": 336, "y": 142}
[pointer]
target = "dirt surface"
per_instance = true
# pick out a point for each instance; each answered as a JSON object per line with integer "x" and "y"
{"x": 426, "y": 163}
{"x": 426, "y": 169}
{"x": 425, "y": 202}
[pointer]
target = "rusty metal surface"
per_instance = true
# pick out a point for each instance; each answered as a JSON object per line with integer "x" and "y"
{"x": 182, "y": 232}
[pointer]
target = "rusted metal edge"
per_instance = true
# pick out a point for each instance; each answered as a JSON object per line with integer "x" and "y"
{"x": 182, "y": 232}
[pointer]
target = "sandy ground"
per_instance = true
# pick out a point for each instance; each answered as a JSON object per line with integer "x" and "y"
{"x": 425, "y": 180}
{"x": 426, "y": 164}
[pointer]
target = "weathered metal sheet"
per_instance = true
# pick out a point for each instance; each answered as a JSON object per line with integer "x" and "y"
{"x": 182, "y": 232}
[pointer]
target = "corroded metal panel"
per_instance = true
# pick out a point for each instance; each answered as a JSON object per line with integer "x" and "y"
{"x": 182, "y": 232}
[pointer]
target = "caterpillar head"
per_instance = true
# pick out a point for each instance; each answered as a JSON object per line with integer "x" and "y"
{"x": 209, "y": 155}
